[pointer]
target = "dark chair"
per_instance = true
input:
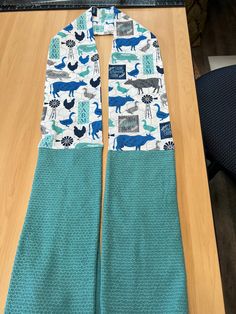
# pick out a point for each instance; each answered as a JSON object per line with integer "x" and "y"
{"x": 216, "y": 92}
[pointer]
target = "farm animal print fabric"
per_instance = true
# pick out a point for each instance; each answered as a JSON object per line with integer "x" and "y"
{"x": 138, "y": 107}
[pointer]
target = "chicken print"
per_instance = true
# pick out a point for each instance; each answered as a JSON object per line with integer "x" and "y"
{"x": 79, "y": 133}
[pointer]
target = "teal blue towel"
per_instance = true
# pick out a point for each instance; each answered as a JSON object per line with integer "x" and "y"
{"x": 55, "y": 265}
{"x": 58, "y": 269}
{"x": 142, "y": 265}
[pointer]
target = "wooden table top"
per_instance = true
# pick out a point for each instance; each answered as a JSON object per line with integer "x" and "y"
{"x": 24, "y": 40}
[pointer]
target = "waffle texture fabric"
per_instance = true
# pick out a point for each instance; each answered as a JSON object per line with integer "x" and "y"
{"x": 142, "y": 265}
{"x": 55, "y": 265}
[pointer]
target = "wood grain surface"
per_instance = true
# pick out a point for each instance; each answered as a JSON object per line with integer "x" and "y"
{"x": 24, "y": 40}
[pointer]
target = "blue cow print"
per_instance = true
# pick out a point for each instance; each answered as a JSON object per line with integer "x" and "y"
{"x": 126, "y": 42}
{"x": 131, "y": 141}
{"x": 119, "y": 101}
{"x": 96, "y": 127}
{"x": 57, "y": 87}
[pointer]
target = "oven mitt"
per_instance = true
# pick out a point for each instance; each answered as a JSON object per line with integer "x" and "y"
{"x": 142, "y": 265}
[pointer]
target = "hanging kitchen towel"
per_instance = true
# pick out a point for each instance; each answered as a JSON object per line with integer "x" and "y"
{"x": 57, "y": 268}
{"x": 142, "y": 264}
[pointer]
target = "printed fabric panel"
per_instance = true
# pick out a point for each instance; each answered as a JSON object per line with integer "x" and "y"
{"x": 72, "y": 114}
{"x": 138, "y": 107}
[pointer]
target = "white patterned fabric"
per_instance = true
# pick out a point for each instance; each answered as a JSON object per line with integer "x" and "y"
{"x": 138, "y": 107}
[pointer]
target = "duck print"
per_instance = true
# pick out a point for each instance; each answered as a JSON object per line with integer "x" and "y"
{"x": 61, "y": 65}
{"x": 157, "y": 147}
{"x": 135, "y": 71}
{"x": 97, "y": 111}
{"x": 141, "y": 29}
{"x": 85, "y": 73}
{"x": 50, "y": 62}
{"x": 79, "y": 133}
{"x": 84, "y": 60}
{"x": 147, "y": 127}
{"x": 69, "y": 105}
{"x": 146, "y": 47}
{"x": 87, "y": 94}
{"x": 68, "y": 121}
{"x": 133, "y": 109}
{"x": 56, "y": 128}
{"x": 72, "y": 67}
{"x": 161, "y": 114}
{"x": 121, "y": 89}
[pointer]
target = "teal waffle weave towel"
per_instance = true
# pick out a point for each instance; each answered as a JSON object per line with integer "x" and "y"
{"x": 142, "y": 265}
{"x": 55, "y": 265}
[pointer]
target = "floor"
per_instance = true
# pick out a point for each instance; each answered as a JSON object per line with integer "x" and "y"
{"x": 223, "y": 198}
{"x": 219, "y": 39}
{"x": 219, "y": 36}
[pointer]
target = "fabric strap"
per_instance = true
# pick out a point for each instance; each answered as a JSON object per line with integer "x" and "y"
{"x": 138, "y": 106}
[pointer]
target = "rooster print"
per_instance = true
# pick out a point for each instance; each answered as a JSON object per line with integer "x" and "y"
{"x": 72, "y": 101}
